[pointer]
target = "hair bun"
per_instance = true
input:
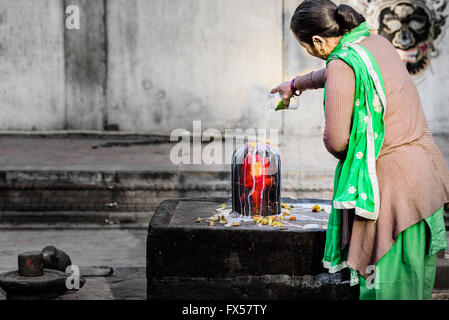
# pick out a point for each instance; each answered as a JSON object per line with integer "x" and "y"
{"x": 347, "y": 18}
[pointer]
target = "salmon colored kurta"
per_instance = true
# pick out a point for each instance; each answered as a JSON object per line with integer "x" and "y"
{"x": 412, "y": 173}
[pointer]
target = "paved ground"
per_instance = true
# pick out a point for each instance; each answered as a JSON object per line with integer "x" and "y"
{"x": 123, "y": 284}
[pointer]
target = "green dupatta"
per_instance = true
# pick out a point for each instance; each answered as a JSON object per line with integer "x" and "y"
{"x": 355, "y": 182}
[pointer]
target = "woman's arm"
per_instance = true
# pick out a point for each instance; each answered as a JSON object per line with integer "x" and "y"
{"x": 340, "y": 89}
{"x": 312, "y": 80}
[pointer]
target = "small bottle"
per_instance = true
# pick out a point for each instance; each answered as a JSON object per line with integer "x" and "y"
{"x": 276, "y": 102}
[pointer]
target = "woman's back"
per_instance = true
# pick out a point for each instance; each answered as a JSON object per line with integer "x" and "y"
{"x": 404, "y": 118}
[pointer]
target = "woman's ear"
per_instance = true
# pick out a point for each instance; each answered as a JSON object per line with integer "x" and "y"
{"x": 319, "y": 43}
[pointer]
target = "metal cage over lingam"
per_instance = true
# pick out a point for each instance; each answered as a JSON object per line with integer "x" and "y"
{"x": 256, "y": 180}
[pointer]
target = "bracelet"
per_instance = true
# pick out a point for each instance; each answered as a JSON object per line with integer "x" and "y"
{"x": 292, "y": 87}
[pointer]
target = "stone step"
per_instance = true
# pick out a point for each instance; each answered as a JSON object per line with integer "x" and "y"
{"x": 131, "y": 191}
{"x": 59, "y": 219}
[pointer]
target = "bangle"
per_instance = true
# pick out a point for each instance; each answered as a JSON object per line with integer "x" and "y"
{"x": 292, "y": 87}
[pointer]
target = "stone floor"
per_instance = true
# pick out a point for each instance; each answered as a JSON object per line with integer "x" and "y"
{"x": 124, "y": 284}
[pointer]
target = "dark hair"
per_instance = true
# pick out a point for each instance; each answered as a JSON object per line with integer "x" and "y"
{"x": 323, "y": 18}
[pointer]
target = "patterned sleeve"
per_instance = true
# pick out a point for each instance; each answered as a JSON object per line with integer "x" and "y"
{"x": 340, "y": 89}
{"x": 312, "y": 80}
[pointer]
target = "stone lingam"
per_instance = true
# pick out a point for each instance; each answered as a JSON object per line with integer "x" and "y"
{"x": 253, "y": 246}
{"x": 40, "y": 276}
{"x": 256, "y": 179}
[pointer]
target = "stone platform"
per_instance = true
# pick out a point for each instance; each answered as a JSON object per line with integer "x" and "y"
{"x": 193, "y": 260}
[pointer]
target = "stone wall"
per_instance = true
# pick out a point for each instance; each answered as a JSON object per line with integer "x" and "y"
{"x": 32, "y": 92}
{"x": 153, "y": 66}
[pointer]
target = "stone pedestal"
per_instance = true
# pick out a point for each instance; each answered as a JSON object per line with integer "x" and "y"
{"x": 191, "y": 260}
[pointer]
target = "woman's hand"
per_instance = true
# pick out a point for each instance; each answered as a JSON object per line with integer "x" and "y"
{"x": 285, "y": 91}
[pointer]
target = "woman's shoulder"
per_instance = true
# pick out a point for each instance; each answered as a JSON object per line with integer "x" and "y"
{"x": 377, "y": 40}
{"x": 337, "y": 64}
{"x": 337, "y": 68}
{"x": 386, "y": 54}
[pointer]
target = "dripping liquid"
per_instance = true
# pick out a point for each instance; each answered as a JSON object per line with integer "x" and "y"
{"x": 256, "y": 179}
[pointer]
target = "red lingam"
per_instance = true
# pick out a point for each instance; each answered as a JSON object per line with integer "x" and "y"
{"x": 256, "y": 177}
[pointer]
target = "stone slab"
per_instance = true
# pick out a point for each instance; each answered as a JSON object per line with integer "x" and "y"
{"x": 205, "y": 251}
{"x": 96, "y": 271}
{"x": 187, "y": 259}
{"x": 124, "y": 284}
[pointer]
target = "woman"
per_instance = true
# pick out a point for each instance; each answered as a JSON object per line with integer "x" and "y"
{"x": 391, "y": 182}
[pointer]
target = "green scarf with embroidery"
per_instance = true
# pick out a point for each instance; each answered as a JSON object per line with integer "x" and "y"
{"x": 355, "y": 182}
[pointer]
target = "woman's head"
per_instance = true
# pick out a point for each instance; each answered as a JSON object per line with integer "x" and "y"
{"x": 319, "y": 24}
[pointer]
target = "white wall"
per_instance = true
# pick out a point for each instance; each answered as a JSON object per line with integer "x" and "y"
{"x": 157, "y": 65}
{"x": 171, "y": 62}
{"x": 32, "y": 93}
